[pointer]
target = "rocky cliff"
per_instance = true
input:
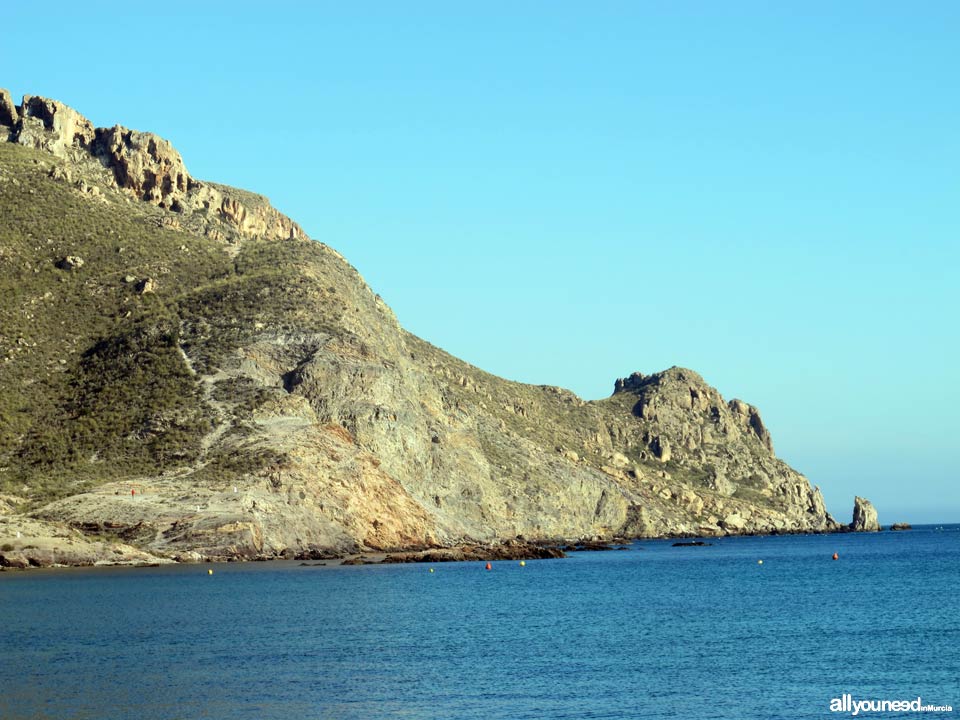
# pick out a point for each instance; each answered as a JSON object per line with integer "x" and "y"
{"x": 186, "y": 374}
{"x": 142, "y": 165}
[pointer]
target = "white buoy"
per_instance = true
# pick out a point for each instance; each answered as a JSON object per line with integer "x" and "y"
{"x": 18, "y": 533}
{"x": 234, "y": 488}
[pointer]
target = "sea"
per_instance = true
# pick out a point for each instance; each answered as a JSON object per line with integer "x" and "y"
{"x": 650, "y": 631}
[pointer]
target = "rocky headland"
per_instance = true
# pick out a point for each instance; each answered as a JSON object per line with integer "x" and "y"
{"x": 186, "y": 376}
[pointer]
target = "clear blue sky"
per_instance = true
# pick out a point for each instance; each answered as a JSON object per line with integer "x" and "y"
{"x": 566, "y": 192}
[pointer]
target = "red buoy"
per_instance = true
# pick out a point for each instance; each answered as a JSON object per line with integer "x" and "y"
{"x": 836, "y": 557}
{"x": 489, "y": 566}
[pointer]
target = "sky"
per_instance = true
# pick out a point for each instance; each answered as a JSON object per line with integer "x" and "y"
{"x": 564, "y": 193}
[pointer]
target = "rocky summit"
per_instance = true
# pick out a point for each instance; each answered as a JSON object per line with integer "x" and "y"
{"x": 185, "y": 375}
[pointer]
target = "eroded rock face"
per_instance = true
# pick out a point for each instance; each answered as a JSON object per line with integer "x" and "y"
{"x": 143, "y": 165}
{"x": 52, "y": 126}
{"x": 864, "y": 516}
{"x": 251, "y": 217}
{"x": 9, "y": 113}
{"x": 749, "y": 418}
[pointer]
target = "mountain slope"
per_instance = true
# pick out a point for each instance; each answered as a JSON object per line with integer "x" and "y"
{"x": 183, "y": 369}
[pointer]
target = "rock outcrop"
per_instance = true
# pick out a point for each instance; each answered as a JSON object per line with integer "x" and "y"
{"x": 864, "y": 516}
{"x": 143, "y": 165}
{"x": 236, "y": 390}
{"x": 9, "y": 112}
{"x": 30, "y": 542}
{"x": 52, "y": 126}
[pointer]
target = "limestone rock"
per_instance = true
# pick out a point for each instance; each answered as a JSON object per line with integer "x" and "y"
{"x": 146, "y": 286}
{"x": 70, "y": 262}
{"x": 864, "y": 516}
{"x": 619, "y": 460}
{"x": 52, "y": 126}
{"x": 9, "y": 114}
{"x": 749, "y": 418}
{"x": 633, "y": 382}
{"x": 734, "y": 523}
{"x": 660, "y": 446}
{"x": 144, "y": 163}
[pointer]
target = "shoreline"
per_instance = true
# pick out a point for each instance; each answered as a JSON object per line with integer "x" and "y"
{"x": 515, "y": 550}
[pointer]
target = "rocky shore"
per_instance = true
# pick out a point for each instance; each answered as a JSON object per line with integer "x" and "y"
{"x": 30, "y": 543}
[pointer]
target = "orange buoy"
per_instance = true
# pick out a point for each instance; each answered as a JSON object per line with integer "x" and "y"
{"x": 836, "y": 557}
{"x": 489, "y": 566}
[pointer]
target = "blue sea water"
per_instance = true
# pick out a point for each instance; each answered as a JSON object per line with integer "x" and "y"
{"x": 654, "y": 631}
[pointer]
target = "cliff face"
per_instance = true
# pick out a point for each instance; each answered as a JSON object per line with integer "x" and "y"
{"x": 142, "y": 165}
{"x": 208, "y": 382}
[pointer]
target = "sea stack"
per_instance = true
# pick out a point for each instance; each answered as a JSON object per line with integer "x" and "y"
{"x": 864, "y": 516}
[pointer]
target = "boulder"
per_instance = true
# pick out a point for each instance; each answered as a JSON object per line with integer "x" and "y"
{"x": 70, "y": 262}
{"x": 147, "y": 285}
{"x": 733, "y": 523}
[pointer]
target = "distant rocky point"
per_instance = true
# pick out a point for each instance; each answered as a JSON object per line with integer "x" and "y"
{"x": 186, "y": 376}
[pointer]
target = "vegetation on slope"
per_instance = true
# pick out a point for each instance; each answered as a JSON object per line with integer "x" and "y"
{"x": 94, "y": 381}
